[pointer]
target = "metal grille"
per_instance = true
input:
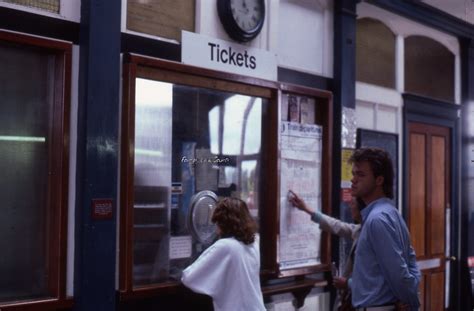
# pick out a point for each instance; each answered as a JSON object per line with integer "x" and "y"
{"x": 47, "y": 5}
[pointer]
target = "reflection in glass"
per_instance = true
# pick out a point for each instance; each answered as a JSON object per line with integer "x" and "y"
{"x": 187, "y": 140}
{"x": 152, "y": 180}
{"x": 200, "y": 221}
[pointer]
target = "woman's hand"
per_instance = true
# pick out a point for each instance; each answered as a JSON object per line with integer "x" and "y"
{"x": 298, "y": 202}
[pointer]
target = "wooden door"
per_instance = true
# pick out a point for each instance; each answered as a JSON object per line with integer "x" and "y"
{"x": 428, "y": 201}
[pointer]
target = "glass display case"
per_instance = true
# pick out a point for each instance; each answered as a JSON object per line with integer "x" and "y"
{"x": 191, "y": 136}
{"x": 189, "y": 145}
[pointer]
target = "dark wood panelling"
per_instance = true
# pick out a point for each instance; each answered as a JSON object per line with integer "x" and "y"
{"x": 422, "y": 289}
{"x": 286, "y": 75}
{"x": 25, "y": 22}
{"x": 146, "y": 46}
{"x": 126, "y": 177}
{"x": 436, "y": 292}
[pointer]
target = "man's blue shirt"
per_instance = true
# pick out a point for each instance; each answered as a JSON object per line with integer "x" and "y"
{"x": 385, "y": 269}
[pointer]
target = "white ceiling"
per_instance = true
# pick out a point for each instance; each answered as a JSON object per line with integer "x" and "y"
{"x": 463, "y": 9}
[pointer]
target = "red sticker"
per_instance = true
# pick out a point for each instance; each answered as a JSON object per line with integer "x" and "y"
{"x": 346, "y": 195}
{"x": 102, "y": 208}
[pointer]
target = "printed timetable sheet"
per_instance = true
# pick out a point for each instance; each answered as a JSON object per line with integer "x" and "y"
{"x": 300, "y": 169}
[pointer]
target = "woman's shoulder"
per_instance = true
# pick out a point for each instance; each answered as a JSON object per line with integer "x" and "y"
{"x": 227, "y": 243}
{"x": 233, "y": 243}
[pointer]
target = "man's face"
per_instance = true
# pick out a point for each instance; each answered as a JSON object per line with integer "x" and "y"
{"x": 363, "y": 180}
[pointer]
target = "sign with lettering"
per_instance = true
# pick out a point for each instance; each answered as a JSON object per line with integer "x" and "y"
{"x": 204, "y": 51}
{"x": 102, "y": 209}
{"x": 300, "y": 171}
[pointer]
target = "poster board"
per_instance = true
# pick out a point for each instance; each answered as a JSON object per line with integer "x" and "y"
{"x": 382, "y": 140}
{"x": 300, "y": 171}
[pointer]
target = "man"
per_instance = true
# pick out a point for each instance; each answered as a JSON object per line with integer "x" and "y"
{"x": 385, "y": 272}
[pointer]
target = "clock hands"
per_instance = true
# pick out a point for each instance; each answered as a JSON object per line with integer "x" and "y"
{"x": 246, "y": 9}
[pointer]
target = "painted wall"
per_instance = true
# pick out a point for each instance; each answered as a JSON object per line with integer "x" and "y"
{"x": 281, "y": 35}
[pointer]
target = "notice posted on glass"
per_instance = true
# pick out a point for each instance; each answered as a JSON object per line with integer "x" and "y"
{"x": 300, "y": 168}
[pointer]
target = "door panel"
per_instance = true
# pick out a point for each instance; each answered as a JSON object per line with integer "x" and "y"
{"x": 428, "y": 196}
{"x": 436, "y": 291}
{"x": 418, "y": 191}
{"x": 438, "y": 197}
{"x": 422, "y": 292}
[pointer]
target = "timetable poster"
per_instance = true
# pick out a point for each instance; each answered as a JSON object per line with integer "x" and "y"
{"x": 300, "y": 169}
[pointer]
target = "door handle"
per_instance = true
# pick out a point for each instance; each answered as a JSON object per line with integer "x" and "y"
{"x": 451, "y": 258}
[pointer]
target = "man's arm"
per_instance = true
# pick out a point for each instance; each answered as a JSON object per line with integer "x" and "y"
{"x": 388, "y": 248}
{"x": 336, "y": 226}
{"x": 327, "y": 223}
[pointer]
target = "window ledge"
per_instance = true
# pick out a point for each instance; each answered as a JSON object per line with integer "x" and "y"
{"x": 40, "y": 304}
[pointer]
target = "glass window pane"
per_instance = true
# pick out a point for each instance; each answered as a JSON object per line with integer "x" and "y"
{"x": 26, "y": 82}
{"x": 152, "y": 180}
{"x": 164, "y": 19}
{"x": 192, "y": 146}
{"x": 375, "y": 53}
{"x": 252, "y": 125}
{"x": 47, "y": 5}
{"x": 429, "y": 68}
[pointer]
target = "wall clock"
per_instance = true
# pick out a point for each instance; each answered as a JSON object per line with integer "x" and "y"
{"x": 242, "y": 19}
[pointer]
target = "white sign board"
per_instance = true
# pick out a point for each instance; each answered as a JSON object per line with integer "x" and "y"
{"x": 204, "y": 51}
{"x": 300, "y": 168}
{"x": 180, "y": 247}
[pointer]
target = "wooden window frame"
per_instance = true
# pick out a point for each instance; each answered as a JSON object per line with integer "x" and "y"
{"x": 137, "y": 66}
{"x": 57, "y": 184}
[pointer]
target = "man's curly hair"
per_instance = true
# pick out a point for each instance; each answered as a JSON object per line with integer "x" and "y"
{"x": 234, "y": 220}
{"x": 381, "y": 164}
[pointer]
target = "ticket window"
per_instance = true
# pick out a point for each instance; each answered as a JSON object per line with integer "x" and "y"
{"x": 189, "y": 146}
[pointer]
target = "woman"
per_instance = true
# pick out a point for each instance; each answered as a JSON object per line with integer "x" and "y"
{"x": 342, "y": 229}
{"x": 229, "y": 270}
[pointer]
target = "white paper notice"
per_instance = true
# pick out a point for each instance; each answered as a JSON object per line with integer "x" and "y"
{"x": 180, "y": 247}
{"x": 300, "y": 168}
{"x": 301, "y": 141}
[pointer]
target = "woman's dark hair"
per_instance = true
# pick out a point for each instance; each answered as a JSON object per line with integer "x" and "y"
{"x": 234, "y": 220}
{"x": 380, "y": 163}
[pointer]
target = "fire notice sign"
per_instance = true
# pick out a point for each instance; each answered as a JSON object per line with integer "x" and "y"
{"x": 102, "y": 209}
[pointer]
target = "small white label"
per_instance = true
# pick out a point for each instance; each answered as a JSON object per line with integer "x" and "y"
{"x": 180, "y": 247}
{"x": 204, "y": 51}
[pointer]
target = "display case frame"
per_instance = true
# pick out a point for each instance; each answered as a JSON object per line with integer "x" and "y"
{"x": 137, "y": 66}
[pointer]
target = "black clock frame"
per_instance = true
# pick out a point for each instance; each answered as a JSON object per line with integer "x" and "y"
{"x": 230, "y": 25}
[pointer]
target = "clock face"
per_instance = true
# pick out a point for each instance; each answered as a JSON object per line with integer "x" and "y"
{"x": 242, "y": 19}
{"x": 247, "y": 13}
